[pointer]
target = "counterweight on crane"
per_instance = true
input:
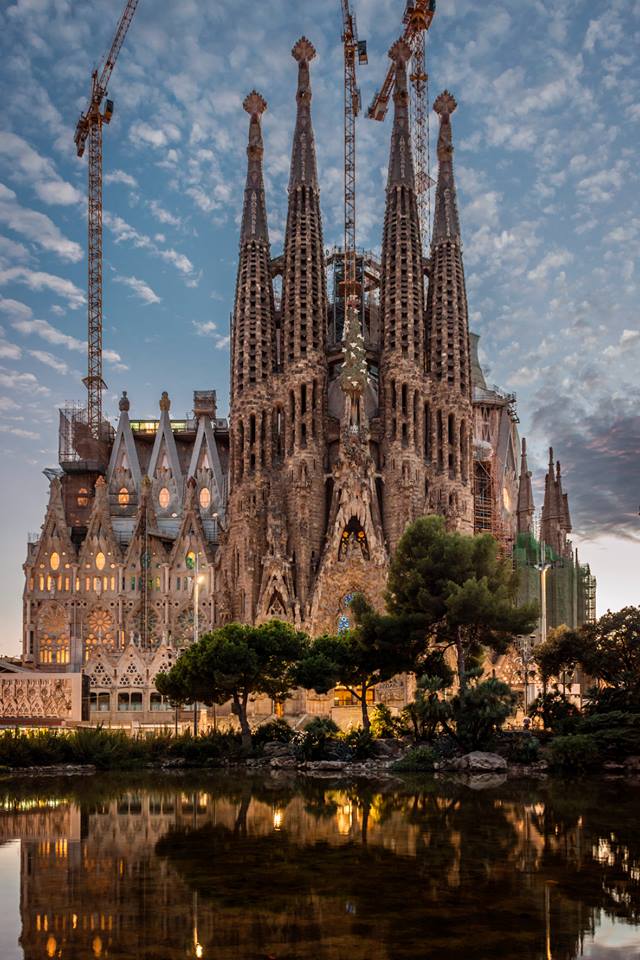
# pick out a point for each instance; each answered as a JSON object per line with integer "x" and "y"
{"x": 354, "y": 49}
{"x": 417, "y": 19}
{"x": 89, "y": 128}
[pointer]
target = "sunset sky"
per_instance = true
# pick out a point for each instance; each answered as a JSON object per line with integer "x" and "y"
{"x": 546, "y": 134}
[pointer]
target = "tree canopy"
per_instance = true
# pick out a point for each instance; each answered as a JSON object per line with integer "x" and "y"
{"x": 460, "y": 589}
{"x": 235, "y": 662}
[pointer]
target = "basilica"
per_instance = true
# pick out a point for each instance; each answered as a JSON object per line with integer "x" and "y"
{"x": 344, "y": 427}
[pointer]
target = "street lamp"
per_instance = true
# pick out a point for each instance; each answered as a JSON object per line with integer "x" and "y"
{"x": 543, "y": 567}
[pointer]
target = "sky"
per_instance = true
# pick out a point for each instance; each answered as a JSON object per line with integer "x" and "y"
{"x": 546, "y": 135}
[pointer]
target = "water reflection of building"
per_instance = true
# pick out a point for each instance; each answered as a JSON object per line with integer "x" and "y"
{"x": 173, "y": 873}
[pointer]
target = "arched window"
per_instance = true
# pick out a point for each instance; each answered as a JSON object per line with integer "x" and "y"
{"x": 123, "y": 497}
{"x": 164, "y": 498}
{"x": 54, "y": 560}
{"x": 353, "y": 542}
{"x": 205, "y": 498}
{"x": 100, "y": 560}
{"x": 83, "y": 497}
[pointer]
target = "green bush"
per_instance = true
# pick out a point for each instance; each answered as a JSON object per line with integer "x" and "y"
{"x": 417, "y": 760}
{"x": 480, "y": 712}
{"x": 617, "y": 733}
{"x": 524, "y": 749}
{"x": 273, "y": 731}
{"x": 384, "y": 725}
{"x": 556, "y": 712}
{"x": 358, "y": 744}
{"x": 575, "y": 753}
{"x": 317, "y": 741}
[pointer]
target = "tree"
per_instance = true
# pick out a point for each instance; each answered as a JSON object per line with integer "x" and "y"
{"x": 560, "y": 653}
{"x": 611, "y": 654}
{"x": 375, "y": 650}
{"x": 480, "y": 710}
{"x": 175, "y": 686}
{"x": 238, "y": 661}
{"x": 429, "y": 710}
{"x": 460, "y": 589}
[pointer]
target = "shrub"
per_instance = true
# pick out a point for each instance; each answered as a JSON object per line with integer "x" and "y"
{"x": 481, "y": 711}
{"x": 575, "y": 753}
{"x": 417, "y": 760}
{"x": 556, "y": 712}
{"x": 273, "y": 731}
{"x": 358, "y": 744}
{"x": 616, "y": 734}
{"x": 524, "y": 749}
{"x": 429, "y": 710}
{"x": 317, "y": 740}
{"x": 384, "y": 725}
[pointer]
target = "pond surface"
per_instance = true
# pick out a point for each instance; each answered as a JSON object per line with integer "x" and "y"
{"x": 214, "y": 866}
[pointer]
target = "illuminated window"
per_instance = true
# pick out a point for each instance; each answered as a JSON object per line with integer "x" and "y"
{"x": 164, "y": 498}
{"x": 83, "y": 497}
{"x": 123, "y": 497}
{"x": 55, "y": 560}
{"x": 190, "y": 560}
{"x": 100, "y": 560}
{"x": 205, "y": 498}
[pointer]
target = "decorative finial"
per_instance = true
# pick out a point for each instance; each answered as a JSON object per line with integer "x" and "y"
{"x": 165, "y": 402}
{"x": 303, "y": 50}
{"x": 400, "y": 52}
{"x": 254, "y": 103}
{"x": 524, "y": 446}
{"x": 124, "y": 401}
{"x": 100, "y": 483}
{"x": 445, "y": 104}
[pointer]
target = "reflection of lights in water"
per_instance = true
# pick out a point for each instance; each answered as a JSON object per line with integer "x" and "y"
{"x": 345, "y": 818}
{"x": 51, "y": 947}
{"x": 199, "y": 951}
{"x": 350, "y": 907}
{"x": 277, "y": 819}
{"x": 97, "y": 947}
{"x": 74, "y": 921}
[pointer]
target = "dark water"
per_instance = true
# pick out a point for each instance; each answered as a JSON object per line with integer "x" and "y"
{"x": 220, "y": 867}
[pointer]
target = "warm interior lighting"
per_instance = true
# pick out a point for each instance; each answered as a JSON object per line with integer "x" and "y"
{"x": 164, "y": 498}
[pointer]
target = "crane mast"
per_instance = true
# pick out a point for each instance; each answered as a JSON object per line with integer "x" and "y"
{"x": 417, "y": 19}
{"x": 89, "y": 128}
{"x": 354, "y": 49}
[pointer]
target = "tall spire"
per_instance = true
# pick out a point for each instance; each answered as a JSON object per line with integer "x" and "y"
{"x": 447, "y": 310}
{"x": 401, "y": 277}
{"x": 525, "y": 494}
{"x": 446, "y": 224}
{"x": 253, "y": 318}
{"x": 556, "y": 522}
{"x": 303, "y": 280}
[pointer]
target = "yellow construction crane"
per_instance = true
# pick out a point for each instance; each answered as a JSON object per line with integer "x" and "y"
{"x": 354, "y": 50}
{"x": 417, "y": 19}
{"x": 89, "y": 128}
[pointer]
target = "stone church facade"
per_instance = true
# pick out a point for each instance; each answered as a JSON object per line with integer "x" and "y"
{"x": 340, "y": 433}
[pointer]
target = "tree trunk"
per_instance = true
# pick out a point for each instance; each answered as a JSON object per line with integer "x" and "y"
{"x": 195, "y": 718}
{"x": 462, "y": 675}
{"x": 240, "y": 710}
{"x": 366, "y": 723}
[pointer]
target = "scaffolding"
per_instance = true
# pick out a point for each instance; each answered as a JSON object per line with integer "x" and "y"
{"x": 368, "y": 279}
{"x": 78, "y": 449}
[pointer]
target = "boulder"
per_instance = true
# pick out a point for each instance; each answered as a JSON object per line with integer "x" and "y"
{"x": 277, "y": 749}
{"x": 475, "y": 762}
{"x": 332, "y": 765}
{"x": 632, "y": 764}
{"x": 283, "y": 763}
{"x": 388, "y": 749}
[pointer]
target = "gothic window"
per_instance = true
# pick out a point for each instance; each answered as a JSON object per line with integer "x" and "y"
{"x": 54, "y": 635}
{"x": 276, "y": 607}
{"x": 83, "y": 497}
{"x": 100, "y": 631}
{"x": 99, "y": 675}
{"x": 344, "y": 618}
{"x": 123, "y": 497}
{"x": 205, "y": 498}
{"x": 131, "y": 676}
{"x": 100, "y": 560}
{"x": 54, "y": 560}
{"x": 164, "y": 498}
{"x": 130, "y": 701}
{"x": 144, "y": 628}
{"x": 353, "y": 542}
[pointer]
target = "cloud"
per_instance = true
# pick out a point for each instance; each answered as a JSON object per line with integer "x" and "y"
{"x": 207, "y": 328}
{"x": 24, "y": 322}
{"x": 164, "y": 216}
{"x": 37, "y": 227}
{"x": 15, "y": 380}
{"x": 125, "y": 233}
{"x": 140, "y": 288}
{"x": 550, "y": 262}
{"x": 50, "y": 361}
{"x": 119, "y": 176}
{"x": 154, "y": 136}
{"x": 9, "y": 351}
{"x": 38, "y": 280}
{"x": 18, "y": 432}
{"x": 40, "y": 172}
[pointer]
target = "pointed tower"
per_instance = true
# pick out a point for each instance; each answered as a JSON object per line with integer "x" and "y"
{"x": 404, "y": 409}
{"x": 300, "y": 415}
{"x": 447, "y": 347}
{"x": 525, "y": 494}
{"x": 556, "y": 521}
{"x": 252, "y": 398}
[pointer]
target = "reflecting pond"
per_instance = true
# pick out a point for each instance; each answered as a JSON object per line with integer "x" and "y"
{"x": 217, "y": 866}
